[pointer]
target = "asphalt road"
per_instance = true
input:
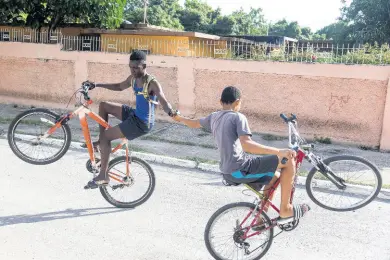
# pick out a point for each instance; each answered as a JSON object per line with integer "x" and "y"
{"x": 46, "y": 214}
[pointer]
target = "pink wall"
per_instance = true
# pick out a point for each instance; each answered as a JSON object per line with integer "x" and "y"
{"x": 345, "y": 103}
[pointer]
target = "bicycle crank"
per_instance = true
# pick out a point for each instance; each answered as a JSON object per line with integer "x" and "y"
{"x": 90, "y": 168}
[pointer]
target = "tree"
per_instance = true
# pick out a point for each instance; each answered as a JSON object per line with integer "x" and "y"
{"x": 306, "y": 33}
{"x": 198, "y": 16}
{"x": 165, "y": 13}
{"x": 288, "y": 29}
{"x": 338, "y": 32}
{"x": 223, "y": 26}
{"x": 252, "y": 23}
{"x": 36, "y": 13}
{"x": 369, "y": 20}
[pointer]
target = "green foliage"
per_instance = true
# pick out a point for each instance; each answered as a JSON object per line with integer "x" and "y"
{"x": 36, "y": 13}
{"x": 252, "y": 23}
{"x": 198, "y": 16}
{"x": 338, "y": 32}
{"x": 363, "y": 21}
{"x": 369, "y": 20}
{"x": 165, "y": 13}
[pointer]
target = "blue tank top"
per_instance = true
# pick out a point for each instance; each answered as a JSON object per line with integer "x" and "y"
{"x": 144, "y": 108}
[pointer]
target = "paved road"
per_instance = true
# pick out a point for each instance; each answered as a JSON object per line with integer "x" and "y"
{"x": 46, "y": 214}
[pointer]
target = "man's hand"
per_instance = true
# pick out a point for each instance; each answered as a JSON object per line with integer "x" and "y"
{"x": 89, "y": 84}
{"x": 287, "y": 153}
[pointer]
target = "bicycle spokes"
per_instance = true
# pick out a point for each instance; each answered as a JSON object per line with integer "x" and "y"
{"x": 346, "y": 184}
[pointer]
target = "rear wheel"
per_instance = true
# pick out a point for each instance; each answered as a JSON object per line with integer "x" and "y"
{"x": 231, "y": 233}
{"x": 28, "y": 126}
{"x": 138, "y": 187}
{"x": 361, "y": 184}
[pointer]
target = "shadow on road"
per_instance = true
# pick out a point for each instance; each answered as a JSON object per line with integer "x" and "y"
{"x": 55, "y": 215}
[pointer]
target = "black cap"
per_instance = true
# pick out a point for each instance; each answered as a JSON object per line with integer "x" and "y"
{"x": 230, "y": 94}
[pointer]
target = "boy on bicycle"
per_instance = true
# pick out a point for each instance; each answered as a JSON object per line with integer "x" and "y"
{"x": 232, "y": 134}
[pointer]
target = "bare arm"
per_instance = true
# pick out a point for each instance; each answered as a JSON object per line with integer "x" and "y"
{"x": 157, "y": 90}
{"x": 193, "y": 123}
{"x": 253, "y": 147}
{"x": 115, "y": 86}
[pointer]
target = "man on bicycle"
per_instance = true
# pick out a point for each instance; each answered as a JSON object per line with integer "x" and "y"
{"x": 232, "y": 134}
{"x": 135, "y": 122}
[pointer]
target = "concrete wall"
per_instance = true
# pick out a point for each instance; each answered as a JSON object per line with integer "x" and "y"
{"x": 345, "y": 103}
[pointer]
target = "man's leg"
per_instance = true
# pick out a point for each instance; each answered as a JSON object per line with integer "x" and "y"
{"x": 286, "y": 181}
{"x": 105, "y": 109}
{"x": 105, "y": 146}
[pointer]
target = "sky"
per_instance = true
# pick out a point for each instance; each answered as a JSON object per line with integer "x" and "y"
{"x": 311, "y": 13}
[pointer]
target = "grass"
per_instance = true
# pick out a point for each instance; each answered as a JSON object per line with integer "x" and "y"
{"x": 132, "y": 147}
{"x": 323, "y": 140}
{"x": 200, "y": 160}
{"x": 159, "y": 139}
{"x": 4, "y": 120}
{"x": 369, "y": 148}
{"x": 269, "y": 137}
{"x": 386, "y": 186}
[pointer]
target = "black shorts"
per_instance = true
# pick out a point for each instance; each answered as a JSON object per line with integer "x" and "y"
{"x": 131, "y": 126}
{"x": 258, "y": 170}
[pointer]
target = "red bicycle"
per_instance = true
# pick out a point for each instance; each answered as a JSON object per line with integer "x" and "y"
{"x": 242, "y": 231}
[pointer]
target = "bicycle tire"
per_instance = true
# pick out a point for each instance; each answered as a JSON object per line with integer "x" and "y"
{"x": 221, "y": 211}
{"x": 144, "y": 198}
{"x": 19, "y": 154}
{"x": 340, "y": 158}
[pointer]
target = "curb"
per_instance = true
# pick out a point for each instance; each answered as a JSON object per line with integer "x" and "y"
{"x": 207, "y": 168}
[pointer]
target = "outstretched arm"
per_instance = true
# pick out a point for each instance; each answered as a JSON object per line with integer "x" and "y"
{"x": 193, "y": 123}
{"x": 252, "y": 147}
{"x": 116, "y": 86}
{"x": 157, "y": 90}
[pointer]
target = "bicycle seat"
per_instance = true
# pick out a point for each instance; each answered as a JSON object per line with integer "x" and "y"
{"x": 237, "y": 178}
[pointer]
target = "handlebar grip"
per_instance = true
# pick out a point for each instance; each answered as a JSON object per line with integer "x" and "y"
{"x": 293, "y": 117}
{"x": 284, "y": 117}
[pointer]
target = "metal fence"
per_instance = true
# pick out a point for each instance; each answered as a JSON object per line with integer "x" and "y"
{"x": 30, "y": 35}
{"x": 228, "y": 48}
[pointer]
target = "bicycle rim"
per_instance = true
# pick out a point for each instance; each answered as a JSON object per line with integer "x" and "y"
{"x": 215, "y": 243}
{"x": 22, "y": 135}
{"x": 363, "y": 184}
{"x": 142, "y": 183}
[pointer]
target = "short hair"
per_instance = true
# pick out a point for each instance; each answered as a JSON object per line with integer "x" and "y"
{"x": 230, "y": 94}
{"x": 138, "y": 56}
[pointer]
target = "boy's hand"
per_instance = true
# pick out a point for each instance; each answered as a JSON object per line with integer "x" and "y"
{"x": 176, "y": 118}
{"x": 288, "y": 153}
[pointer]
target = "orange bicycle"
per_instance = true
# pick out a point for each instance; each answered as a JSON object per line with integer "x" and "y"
{"x": 56, "y": 135}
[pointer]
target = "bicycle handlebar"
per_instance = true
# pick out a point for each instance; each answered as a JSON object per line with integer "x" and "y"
{"x": 85, "y": 87}
{"x": 288, "y": 119}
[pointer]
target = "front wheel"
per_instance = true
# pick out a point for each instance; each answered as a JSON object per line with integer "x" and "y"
{"x": 225, "y": 238}
{"x": 354, "y": 186}
{"x": 128, "y": 191}
{"x": 26, "y": 130}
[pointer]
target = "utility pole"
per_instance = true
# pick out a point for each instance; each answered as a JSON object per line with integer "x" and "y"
{"x": 145, "y": 9}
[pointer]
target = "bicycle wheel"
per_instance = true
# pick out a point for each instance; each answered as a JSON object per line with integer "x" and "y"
{"x": 234, "y": 235}
{"x": 358, "y": 192}
{"x": 117, "y": 169}
{"x": 21, "y": 130}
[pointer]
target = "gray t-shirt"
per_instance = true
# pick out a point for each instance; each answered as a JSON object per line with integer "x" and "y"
{"x": 226, "y": 127}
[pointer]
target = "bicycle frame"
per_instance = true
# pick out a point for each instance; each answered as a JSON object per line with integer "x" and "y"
{"x": 82, "y": 112}
{"x": 301, "y": 154}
